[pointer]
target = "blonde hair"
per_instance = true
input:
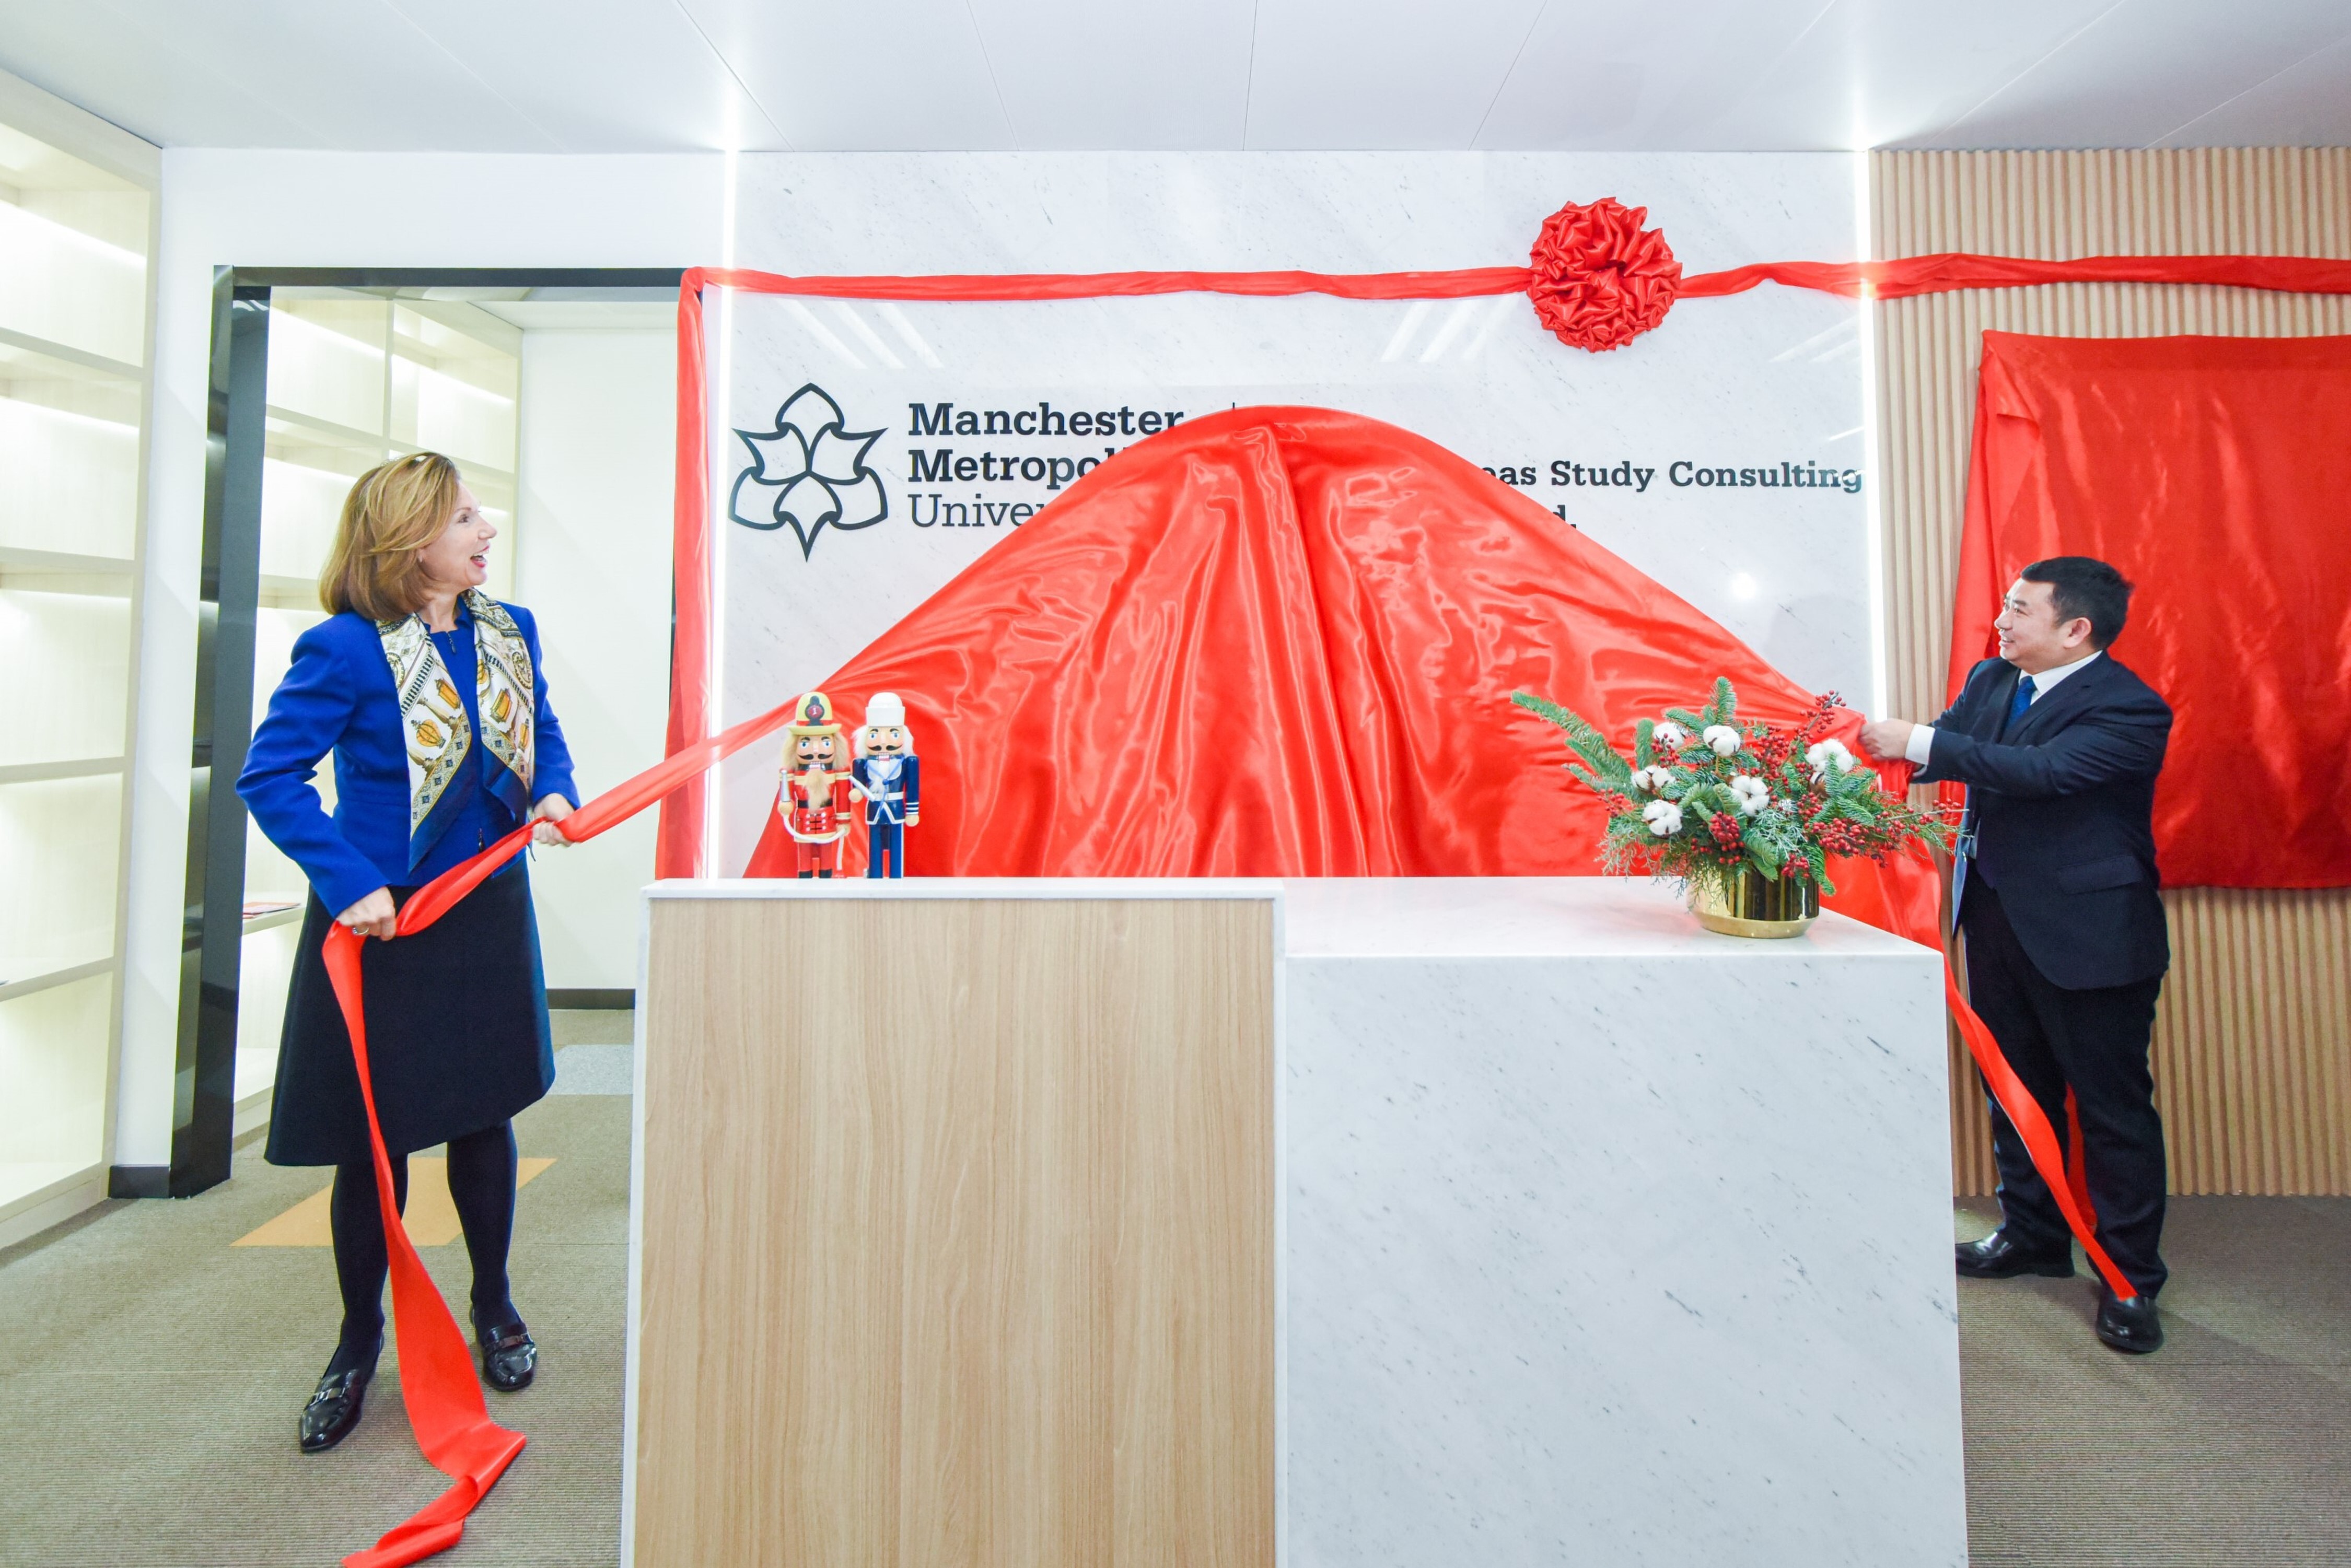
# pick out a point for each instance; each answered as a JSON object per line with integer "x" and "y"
{"x": 393, "y": 511}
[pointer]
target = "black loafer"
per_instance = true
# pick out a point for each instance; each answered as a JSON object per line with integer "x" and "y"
{"x": 1998, "y": 1258}
{"x": 509, "y": 1356}
{"x": 2130, "y": 1323}
{"x": 334, "y": 1408}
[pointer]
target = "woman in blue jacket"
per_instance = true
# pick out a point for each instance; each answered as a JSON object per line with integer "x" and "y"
{"x": 430, "y": 695}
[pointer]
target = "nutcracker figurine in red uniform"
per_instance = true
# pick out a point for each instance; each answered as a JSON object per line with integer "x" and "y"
{"x": 814, "y": 799}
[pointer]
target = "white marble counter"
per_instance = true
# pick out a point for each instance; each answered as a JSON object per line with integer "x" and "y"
{"x": 1612, "y": 1240}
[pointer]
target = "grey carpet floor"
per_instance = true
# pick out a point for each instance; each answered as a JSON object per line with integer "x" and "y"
{"x": 149, "y": 1373}
{"x": 2230, "y": 1446}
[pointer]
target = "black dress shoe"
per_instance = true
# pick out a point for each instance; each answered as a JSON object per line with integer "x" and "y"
{"x": 334, "y": 1408}
{"x": 509, "y": 1356}
{"x": 2130, "y": 1323}
{"x": 1998, "y": 1258}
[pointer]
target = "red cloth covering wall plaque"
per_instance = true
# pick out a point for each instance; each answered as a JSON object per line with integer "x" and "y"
{"x": 2215, "y": 472}
{"x": 1281, "y": 642}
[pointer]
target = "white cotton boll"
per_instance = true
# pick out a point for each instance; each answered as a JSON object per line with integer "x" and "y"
{"x": 1824, "y": 754}
{"x": 1652, "y": 778}
{"x": 1669, "y": 735}
{"x": 1750, "y": 793}
{"x": 1722, "y": 739}
{"x": 1664, "y": 818}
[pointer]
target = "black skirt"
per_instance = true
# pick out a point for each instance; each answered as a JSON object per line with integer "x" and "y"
{"x": 457, "y": 1022}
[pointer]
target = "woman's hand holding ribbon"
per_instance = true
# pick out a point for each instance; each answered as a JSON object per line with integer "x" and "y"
{"x": 373, "y": 915}
{"x": 550, "y": 810}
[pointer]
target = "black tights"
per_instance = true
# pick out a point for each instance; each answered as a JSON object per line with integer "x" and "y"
{"x": 481, "y": 1185}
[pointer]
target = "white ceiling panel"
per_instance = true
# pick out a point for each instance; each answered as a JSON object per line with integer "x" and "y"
{"x": 617, "y": 75}
{"x": 1343, "y": 75}
{"x": 874, "y": 76}
{"x": 356, "y": 73}
{"x": 1074, "y": 71}
{"x": 1857, "y": 73}
{"x": 977, "y": 75}
{"x": 1589, "y": 76}
{"x": 2145, "y": 68}
{"x": 94, "y": 56}
{"x": 2308, "y": 104}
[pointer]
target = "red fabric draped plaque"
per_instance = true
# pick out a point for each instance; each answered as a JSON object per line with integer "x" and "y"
{"x": 2212, "y": 472}
{"x": 1280, "y": 643}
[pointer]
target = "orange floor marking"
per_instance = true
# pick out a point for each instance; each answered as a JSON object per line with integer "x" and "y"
{"x": 432, "y": 1217}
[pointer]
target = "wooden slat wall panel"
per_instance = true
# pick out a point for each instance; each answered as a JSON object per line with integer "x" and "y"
{"x": 2256, "y": 1020}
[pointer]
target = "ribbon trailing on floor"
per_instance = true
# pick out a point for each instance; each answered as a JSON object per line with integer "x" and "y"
{"x": 437, "y": 1380}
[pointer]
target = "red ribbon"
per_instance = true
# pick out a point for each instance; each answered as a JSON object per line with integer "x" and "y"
{"x": 437, "y": 1381}
{"x": 2067, "y": 1183}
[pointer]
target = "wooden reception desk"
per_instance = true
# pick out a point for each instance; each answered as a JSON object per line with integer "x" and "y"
{"x": 1510, "y": 1221}
{"x": 953, "y": 1224}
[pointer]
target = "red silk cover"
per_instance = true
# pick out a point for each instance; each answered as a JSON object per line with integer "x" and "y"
{"x": 1281, "y": 642}
{"x": 2212, "y": 472}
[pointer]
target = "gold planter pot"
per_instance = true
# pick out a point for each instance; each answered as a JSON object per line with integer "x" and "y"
{"x": 1752, "y": 904}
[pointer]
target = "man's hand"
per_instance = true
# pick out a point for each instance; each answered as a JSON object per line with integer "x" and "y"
{"x": 550, "y": 810}
{"x": 1886, "y": 739}
{"x": 373, "y": 915}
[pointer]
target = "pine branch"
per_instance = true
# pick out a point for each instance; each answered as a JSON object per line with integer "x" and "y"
{"x": 1584, "y": 741}
{"x": 1724, "y": 708}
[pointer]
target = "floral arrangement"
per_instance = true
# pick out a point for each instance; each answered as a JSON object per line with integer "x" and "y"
{"x": 1705, "y": 797}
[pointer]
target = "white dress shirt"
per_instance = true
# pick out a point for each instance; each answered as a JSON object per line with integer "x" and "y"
{"x": 1922, "y": 736}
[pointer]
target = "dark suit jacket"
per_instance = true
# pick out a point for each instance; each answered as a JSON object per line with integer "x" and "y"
{"x": 2063, "y": 806}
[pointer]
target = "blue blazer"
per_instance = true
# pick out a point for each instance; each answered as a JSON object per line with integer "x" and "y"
{"x": 338, "y": 696}
{"x": 2063, "y": 805}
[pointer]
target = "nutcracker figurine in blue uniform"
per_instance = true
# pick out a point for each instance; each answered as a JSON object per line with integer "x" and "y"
{"x": 890, "y": 777}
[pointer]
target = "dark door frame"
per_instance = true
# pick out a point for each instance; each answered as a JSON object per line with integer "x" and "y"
{"x": 204, "y": 1102}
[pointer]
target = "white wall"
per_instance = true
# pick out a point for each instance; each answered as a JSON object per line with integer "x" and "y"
{"x": 320, "y": 209}
{"x": 592, "y": 559}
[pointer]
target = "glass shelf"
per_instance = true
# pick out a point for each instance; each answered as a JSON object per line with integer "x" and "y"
{"x": 74, "y": 292}
{"x": 53, "y": 1070}
{"x": 69, "y": 447}
{"x": 59, "y": 838}
{"x": 78, "y": 645}
{"x": 73, "y": 251}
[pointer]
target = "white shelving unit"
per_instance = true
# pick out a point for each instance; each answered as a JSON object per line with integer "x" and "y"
{"x": 75, "y": 244}
{"x": 355, "y": 377}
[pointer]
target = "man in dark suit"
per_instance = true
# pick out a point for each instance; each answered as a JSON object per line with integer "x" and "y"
{"x": 2055, "y": 885}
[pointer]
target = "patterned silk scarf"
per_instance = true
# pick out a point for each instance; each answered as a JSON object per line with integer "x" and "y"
{"x": 432, "y": 715}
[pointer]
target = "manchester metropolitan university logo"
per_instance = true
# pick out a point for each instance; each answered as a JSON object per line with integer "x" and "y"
{"x": 809, "y": 473}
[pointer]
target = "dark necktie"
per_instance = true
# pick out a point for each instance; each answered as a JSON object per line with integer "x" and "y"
{"x": 1960, "y": 863}
{"x": 2018, "y": 704}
